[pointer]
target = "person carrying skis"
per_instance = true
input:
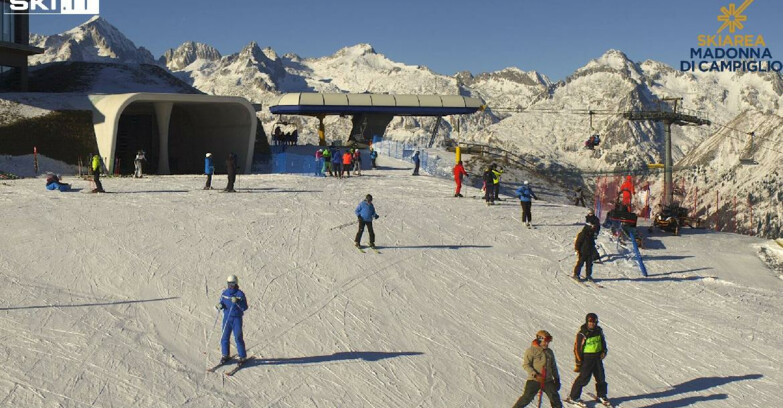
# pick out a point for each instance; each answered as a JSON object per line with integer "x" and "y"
{"x": 231, "y": 171}
{"x": 416, "y": 161}
{"x": 459, "y": 172}
{"x": 584, "y": 245}
{"x": 96, "y": 174}
{"x": 590, "y": 350}
{"x": 137, "y": 163}
{"x": 526, "y": 194}
{"x": 233, "y": 303}
{"x": 539, "y": 362}
{"x": 209, "y": 170}
{"x": 365, "y": 212}
{"x": 489, "y": 184}
{"x": 497, "y": 171}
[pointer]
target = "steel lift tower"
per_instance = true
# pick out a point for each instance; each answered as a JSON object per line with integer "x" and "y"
{"x": 668, "y": 119}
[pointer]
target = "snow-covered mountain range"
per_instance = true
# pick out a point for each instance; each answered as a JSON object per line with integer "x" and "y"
{"x": 528, "y": 113}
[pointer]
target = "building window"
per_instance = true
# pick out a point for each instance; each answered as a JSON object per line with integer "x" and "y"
{"x": 9, "y": 79}
{"x": 7, "y": 22}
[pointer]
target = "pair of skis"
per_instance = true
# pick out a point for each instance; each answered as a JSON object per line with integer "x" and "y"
{"x": 364, "y": 252}
{"x": 580, "y": 403}
{"x": 234, "y": 370}
{"x": 586, "y": 282}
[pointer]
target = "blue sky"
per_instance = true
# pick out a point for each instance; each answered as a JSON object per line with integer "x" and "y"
{"x": 554, "y": 37}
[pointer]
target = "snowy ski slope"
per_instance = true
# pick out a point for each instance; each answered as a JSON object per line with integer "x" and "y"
{"x": 108, "y": 299}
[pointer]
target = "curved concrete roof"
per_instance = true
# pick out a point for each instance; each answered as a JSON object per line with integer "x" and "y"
{"x": 309, "y": 103}
{"x": 230, "y": 119}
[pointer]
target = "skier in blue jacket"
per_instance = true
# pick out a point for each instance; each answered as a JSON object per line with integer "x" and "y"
{"x": 526, "y": 194}
{"x": 209, "y": 170}
{"x": 366, "y": 213}
{"x": 233, "y": 304}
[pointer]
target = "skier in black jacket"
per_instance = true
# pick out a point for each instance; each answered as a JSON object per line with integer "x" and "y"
{"x": 585, "y": 246}
{"x": 489, "y": 185}
{"x": 589, "y": 351}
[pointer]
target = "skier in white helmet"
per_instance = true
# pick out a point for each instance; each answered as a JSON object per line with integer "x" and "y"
{"x": 233, "y": 304}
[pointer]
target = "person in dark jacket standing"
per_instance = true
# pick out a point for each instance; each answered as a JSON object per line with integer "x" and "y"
{"x": 589, "y": 351}
{"x": 489, "y": 184}
{"x": 231, "y": 171}
{"x": 416, "y": 161}
{"x": 233, "y": 303}
{"x": 365, "y": 212}
{"x": 373, "y": 157}
{"x": 209, "y": 170}
{"x": 539, "y": 362}
{"x": 584, "y": 247}
{"x": 526, "y": 195}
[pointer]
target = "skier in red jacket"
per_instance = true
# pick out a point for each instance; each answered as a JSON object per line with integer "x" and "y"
{"x": 459, "y": 172}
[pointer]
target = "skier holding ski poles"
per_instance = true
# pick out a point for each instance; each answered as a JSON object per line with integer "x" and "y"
{"x": 539, "y": 362}
{"x": 233, "y": 304}
{"x": 365, "y": 212}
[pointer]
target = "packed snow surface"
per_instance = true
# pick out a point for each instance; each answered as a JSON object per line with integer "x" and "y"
{"x": 108, "y": 299}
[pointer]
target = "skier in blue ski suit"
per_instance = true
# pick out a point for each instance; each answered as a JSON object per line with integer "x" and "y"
{"x": 233, "y": 304}
{"x": 526, "y": 194}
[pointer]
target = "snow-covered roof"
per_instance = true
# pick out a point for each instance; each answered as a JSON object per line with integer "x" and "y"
{"x": 311, "y": 103}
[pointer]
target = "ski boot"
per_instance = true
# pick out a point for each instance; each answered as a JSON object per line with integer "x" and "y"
{"x": 224, "y": 359}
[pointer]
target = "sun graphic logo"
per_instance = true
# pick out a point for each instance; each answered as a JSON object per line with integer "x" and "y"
{"x": 732, "y": 17}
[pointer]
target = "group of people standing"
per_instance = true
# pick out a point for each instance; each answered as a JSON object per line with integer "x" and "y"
{"x": 231, "y": 171}
{"x": 332, "y": 161}
{"x": 544, "y": 378}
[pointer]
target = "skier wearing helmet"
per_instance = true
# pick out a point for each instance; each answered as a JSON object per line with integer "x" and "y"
{"x": 539, "y": 362}
{"x": 526, "y": 195}
{"x": 589, "y": 351}
{"x": 233, "y": 304}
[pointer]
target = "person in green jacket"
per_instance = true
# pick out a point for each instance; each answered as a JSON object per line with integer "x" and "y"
{"x": 590, "y": 350}
{"x": 541, "y": 367}
{"x": 96, "y": 174}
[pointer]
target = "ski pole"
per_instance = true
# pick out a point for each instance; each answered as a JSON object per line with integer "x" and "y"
{"x": 211, "y": 331}
{"x": 543, "y": 381}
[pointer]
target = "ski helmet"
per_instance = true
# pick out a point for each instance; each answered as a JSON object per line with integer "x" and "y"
{"x": 368, "y": 197}
{"x": 526, "y": 182}
{"x": 543, "y": 335}
{"x": 209, "y": 154}
{"x": 591, "y": 316}
{"x": 232, "y": 279}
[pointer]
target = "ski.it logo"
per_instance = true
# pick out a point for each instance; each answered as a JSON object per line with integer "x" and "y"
{"x": 33, "y": 7}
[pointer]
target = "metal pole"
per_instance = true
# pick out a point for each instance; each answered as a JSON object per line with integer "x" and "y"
{"x": 668, "y": 196}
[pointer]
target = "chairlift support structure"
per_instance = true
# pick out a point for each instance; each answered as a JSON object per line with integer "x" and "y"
{"x": 668, "y": 119}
